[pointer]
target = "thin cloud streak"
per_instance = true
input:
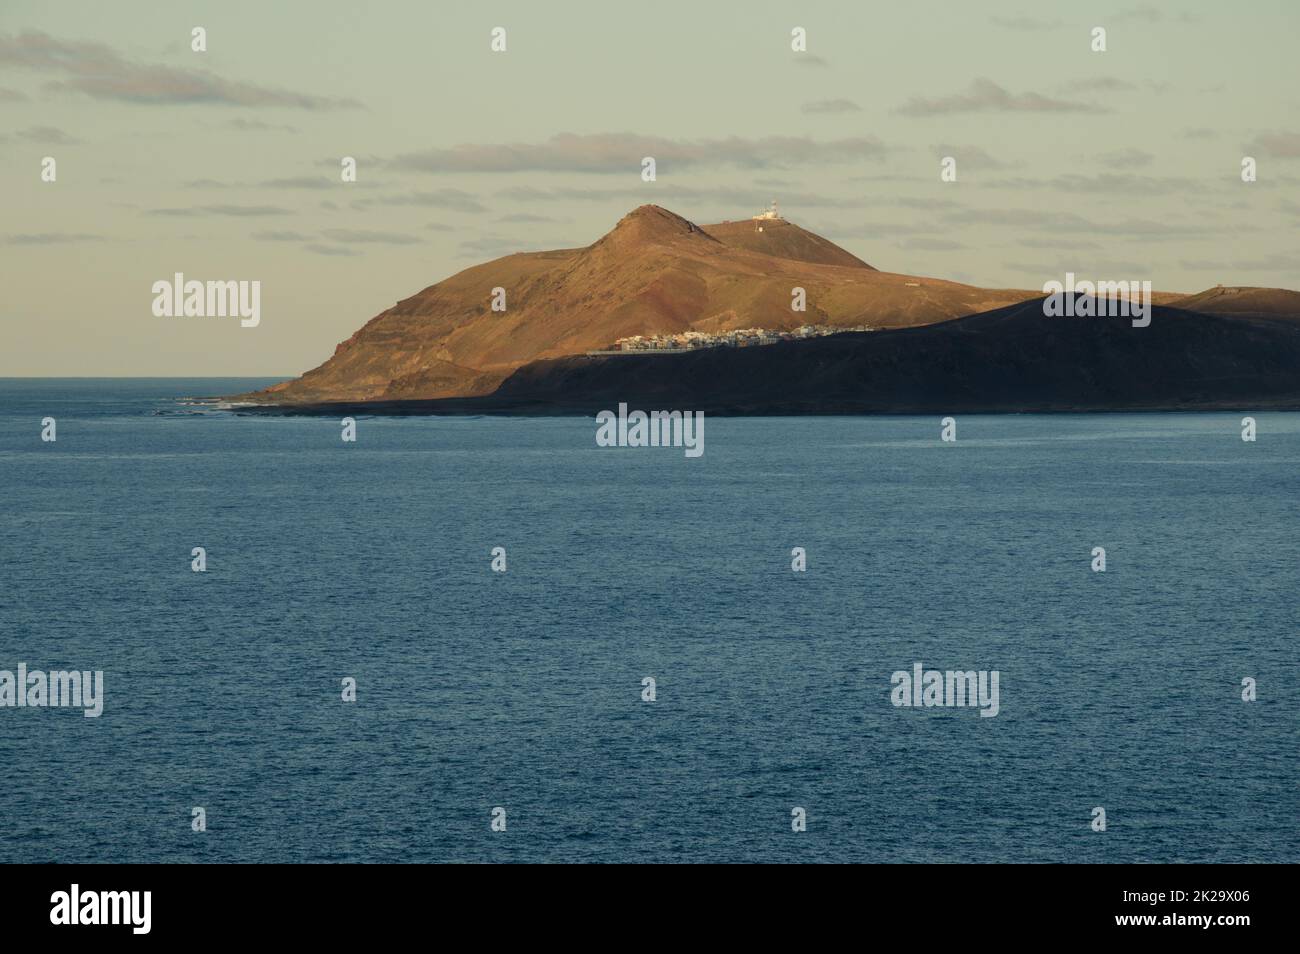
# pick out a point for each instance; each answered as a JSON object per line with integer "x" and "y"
{"x": 98, "y": 71}
{"x": 986, "y": 96}
{"x": 621, "y": 152}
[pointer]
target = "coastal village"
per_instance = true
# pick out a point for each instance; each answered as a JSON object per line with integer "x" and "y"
{"x": 740, "y": 338}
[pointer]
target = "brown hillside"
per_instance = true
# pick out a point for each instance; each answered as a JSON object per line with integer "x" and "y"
{"x": 1244, "y": 302}
{"x": 783, "y": 239}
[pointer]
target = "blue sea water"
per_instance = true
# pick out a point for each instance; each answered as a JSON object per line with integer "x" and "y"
{"x": 523, "y": 690}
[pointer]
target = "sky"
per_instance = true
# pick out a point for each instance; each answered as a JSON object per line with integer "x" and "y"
{"x": 225, "y": 164}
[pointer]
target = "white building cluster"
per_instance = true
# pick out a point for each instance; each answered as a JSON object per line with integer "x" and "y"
{"x": 740, "y": 338}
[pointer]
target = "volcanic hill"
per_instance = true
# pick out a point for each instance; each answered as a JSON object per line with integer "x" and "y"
{"x": 653, "y": 273}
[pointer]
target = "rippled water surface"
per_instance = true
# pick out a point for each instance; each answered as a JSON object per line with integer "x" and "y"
{"x": 523, "y": 690}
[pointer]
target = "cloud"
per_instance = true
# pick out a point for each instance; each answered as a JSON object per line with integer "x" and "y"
{"x": 293, "y": 182}
{"x": 622, "y": 152}
{"x": 874, "y": 231}
{"x": 273, "y": 236}
{"x": 831, "y": 106}
{"x": 1200, "y": 132}
{"x": 809, "y": 59}
{"x": 50, "y": 238}
{"x": 232, "y": 210}
{"x": 714, "y": 205}
{"x": 1097, "y": 84}
{"x": 1021, "y": 22}
{"x": 1112, "y": 183}
{"x": 526, "y": 218}
{"x": 728, "y": 198}
{"x": 1125, "y": 159}
{"x": 1117, "y": 269}
{"x": 1147, "y": 229}
{"x": 985, "y": 95}
{"x": 318, "y": 249}
{"x": 1067, "y": 223}
{"x": 439, "y": 227}
{"x": 12, "y": 96}
{"x": 1042, "y": 242}
{"x": 42, "y": 136}
{"x": 244, "y": 210}
{"x": 493, "y": 246}
{"x": 256, "y": 125}
{"x": 893, "y": 178}
{"x": 98, "y": 71}
{"x": 452, "y": 199}
{"x": 1150, "y": 14}
{"x": 969, "y": 157}
{"x": 930, "y": 245}
{"x": 369, "y": 237}
{"x": 915, "y": 202}
{"x": 1111, "y": 84}
{"x": 298, "y": 182}
{"x": 1277, "y": 262}
{"x": 1280, "y": 145}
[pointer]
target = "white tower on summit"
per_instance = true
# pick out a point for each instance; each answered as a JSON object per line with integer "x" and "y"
{"x": 767, "y": 215}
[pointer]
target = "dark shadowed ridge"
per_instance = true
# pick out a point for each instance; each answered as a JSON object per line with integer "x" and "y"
{"x": 1013, "y": 359}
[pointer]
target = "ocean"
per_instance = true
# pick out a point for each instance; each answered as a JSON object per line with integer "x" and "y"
{"x": 523, "y": 690}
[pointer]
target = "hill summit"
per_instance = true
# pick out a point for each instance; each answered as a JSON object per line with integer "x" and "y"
{"x": 651, "y": 224}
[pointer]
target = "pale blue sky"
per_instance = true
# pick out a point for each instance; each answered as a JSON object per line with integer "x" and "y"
{"x": 224, "y": 164}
